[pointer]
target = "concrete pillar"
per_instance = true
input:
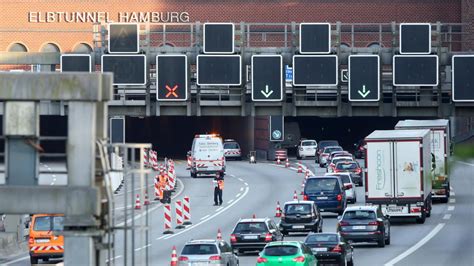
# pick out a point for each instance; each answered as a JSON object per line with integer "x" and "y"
{"x": 467, "y": 7}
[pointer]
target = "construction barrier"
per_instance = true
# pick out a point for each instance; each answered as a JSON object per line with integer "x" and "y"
{"x": 186, "y": 211}
{"x": 138, "y": 205}
{"x": 174, "y": 257}
{"x": 189, "y": 162}
{"x": 167, "y": 214}
{"x": 145, "y": 158}
{"x": 300, "y": 168}
{"x": 158, "y": 191}
{"x": 179, "y": 214}
{"x": 287, "y": 163}
{"x": 278, "y": 210}
{"x": 154, "y": 160}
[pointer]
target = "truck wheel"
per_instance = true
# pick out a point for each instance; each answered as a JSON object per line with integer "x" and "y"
{"x": 193, "y": 175}
{"x": 444, "y": 200}
{"x": 428, "y": 213}
{"x": 33, "y": 260}
{"x": 422, "y": 219}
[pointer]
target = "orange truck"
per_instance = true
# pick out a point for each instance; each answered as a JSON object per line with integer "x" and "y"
{"x": 45, "y": 241}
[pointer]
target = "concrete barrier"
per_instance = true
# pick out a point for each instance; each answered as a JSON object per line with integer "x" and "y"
{"x": 116, "y": 178}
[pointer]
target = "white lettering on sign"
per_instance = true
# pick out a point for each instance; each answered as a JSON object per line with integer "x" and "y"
{"x": 99, "y": 17}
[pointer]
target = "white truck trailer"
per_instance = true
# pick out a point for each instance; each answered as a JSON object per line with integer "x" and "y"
{"x": 398, "y": 174}
{"x": 440, "y": 148}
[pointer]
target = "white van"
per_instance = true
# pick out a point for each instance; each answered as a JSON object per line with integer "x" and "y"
{"x": 207, "y": 155}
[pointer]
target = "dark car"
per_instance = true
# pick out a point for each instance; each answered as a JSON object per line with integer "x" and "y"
{"x": 352, "y": 167}
{"x": 323, "y": 144}
{"x": 301, "y": 216}
{"x": 324, "y": 156}
{"x": 359, "y": 149}
{"x": 328, "y": 192}
{"x": 364, "y": 224}
{"x": 254, "y": 234}
{"x": 330, "y": 248}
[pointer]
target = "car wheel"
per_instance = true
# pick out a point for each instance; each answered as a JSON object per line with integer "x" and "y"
{"x": 298, "y": 157}
{"x": 444, "y": 200}
{"x": 351, "y": 262}
{"x": 284, "y": 233}
{"x": 387, "y": 241}
{"x": 381, "y": 242}
{"x": 33, "y": 260}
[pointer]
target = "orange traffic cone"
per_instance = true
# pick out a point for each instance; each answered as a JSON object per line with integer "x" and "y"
{"x": 219, "y": 234}
{"x": 287, "y": 163}
{"x": 300, "y": 169}
{"x": 278, "y": 210}
{"x": 147, "y": 201}
{"x": 174, "y": 257}
{"x": 137, "y": 203}
{"x": 307, "y": 174}
{"x": 278, "y": 160}
{"x": 295, "y": 196}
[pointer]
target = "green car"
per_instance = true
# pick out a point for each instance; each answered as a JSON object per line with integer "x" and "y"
{"x": 286, "y": 253}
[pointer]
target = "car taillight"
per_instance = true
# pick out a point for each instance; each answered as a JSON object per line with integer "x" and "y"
{"x": 233, "y": 239}
{"x": 339, "y": 197}
{"x": 183, "y": 258}
{"x": 215, "y": 257}
{"x": 31, "y": 240}
{"x": 261, "y": 260}
{"x": 375, "y": 223}
{"x": 299, "y": 259}
{"x": 305, "y": 197}
{"x": 342, "y": 223}
{"x": 268, "y": 237}
{"x": 358, "y": 170}
{"x": 337, "y": 248}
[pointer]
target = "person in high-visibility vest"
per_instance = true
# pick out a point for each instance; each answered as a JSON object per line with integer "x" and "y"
{"x": 218, "y": 188}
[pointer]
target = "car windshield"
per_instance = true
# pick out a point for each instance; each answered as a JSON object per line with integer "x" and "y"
{"x": 321, "y": 238}
{"x": 280, "y": 251}
{"x": 49, "y": 223}
{"x": 327, "y": 143}
{"x": 308, "y": 143}
{"x": 199, "y": 249}
{"x": 297, "y": 209}
{"x": 316, "y": 185}
{"x": 359, "y": 215}
{"x": 331, "y": 149}
{"x": 346, "y": 166}
{"x": 252, "y": 227}
{"x": 345, "y": 179}
{"x": 231, "y": 145}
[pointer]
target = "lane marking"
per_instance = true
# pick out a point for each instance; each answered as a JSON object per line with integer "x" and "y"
{"x": 205, "y": 217}
{"x": 238, "y": 195}
{"x": 246, "y": 183}
{"x": 470, "y": 164}
{"x": 140, "y": 188}
{"x": 241, "y": 179}
{"x": 218, "y": 209}
{"x": 242, "y": 189}
{"x": 452, "y": 194}
{"x": 452, "y": 200}
{"x": 232, "y": 175}
{"x": 451, "y": 208}
{"x": 114, "y": 258}
{"x": 210, "y": 217}
{"x": 418, "y": 245}
{"x": 447, "y": 216}
{"x": 295, "y": 169}
{"x": 230, "y": 201}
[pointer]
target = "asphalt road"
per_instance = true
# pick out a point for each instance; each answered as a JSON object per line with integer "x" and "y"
{"x": 444, "y": 239}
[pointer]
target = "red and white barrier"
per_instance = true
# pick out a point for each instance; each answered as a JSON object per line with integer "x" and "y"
{"x": 138, "y": 205}
{"x": 154, "y": 160}
{"x": 300, "y": 168}
{"x": 278, "y": 160}
{"x": 278, "y": 210}
{"x": 145, "y": 158}
{"x": 167, "y": 212}
{"x": 189, "y": 162}
{"x": 179, "y": 214}
{"x": 157, "y": 188}
{"x": 40, "y": 248}
{"x": 287, "y": 163}
{"x": 186, "y": 211}
{"x": 147, "y": 201}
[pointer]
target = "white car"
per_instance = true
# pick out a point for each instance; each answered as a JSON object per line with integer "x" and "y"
{"x": 232, "y": 150}
{"x": 306, "y": 148}
{"x": 351, "y": 195}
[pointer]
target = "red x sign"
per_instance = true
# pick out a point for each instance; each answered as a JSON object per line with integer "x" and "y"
{"x": 172, "y": 91}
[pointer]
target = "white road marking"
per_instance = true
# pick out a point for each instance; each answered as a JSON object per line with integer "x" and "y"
{"x": 140, "y": 188}
{"x": 418, "y": 245}
{"x": 232, "y": 175}
{"x": 447, "y": 216}
{"x": 242, "y": 189}
{"x": 451, "y": 208}
{"x": 114, "y": 258}
{"x": 470, "y": 164}
{"x": 246, "y": 183}
{"x": 161, "y": 237}
{"x": 210, "y": 217}
{"x": 292, "y": 168}
{"x": 452, "y": 194}
{"x": 452, "y": 200}
{"x": 17, "y": 260}
{"x": 241, "y": 179}
{"x": 230, "y": 201}
{"x": 218, "y": 209}
{"x": 238, "y": 195}
{"x": 205, "y": 217}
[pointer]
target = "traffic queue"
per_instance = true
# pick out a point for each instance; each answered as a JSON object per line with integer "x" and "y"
{"x": 405, "y": 170}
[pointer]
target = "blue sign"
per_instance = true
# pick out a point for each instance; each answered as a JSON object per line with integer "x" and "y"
{"x": 288, "y": 73}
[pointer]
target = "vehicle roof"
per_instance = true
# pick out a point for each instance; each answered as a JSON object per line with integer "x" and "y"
{"x": 202, "y": 241}
{"x": 346, "y": 162}
{"x": 286, "y": 243}
{"x": 343, "y": 157}
{"x": 250, "y": 220}
{"x": 361, "y": 208}
{"x": 299, "y": 202}
{"x": 230, "y": 140}
{"x": 319, "y": 177}
{"x": 342, "y": 152}
{"x": 338, "y": 174}
{"x": 307, "y": 140}
{"x": 397, "y": 134}
{"x": 422, "y": 123}
{"x": 332, "y": 147}
{"x": 328, "y": 141}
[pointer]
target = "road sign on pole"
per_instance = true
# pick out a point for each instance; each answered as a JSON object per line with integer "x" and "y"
{"x": 315, "y": 38}
{"x": 127, "y": 69}
{"x": 75, "y": 63}
{"x": 344, "y": 75}
{"x": 219, "y": 70}
{"x": 277, "y": 128}
{"x": 315, "y": 70}
{"x": 364, "y": 78}
{"x": 218, "y": 38}
{"x": 267, "y": 78}
{"x": 415, "y": 38}
{"x": 463, "y": 78}
{"x": 415, "y": 70}
{"x": 117, "y": 129}
{"x": 172, "y": 77}
{"x": 123, "y": 38}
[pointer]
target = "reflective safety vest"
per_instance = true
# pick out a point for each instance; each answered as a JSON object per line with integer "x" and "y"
{"x": 220, "y": 183}
{"x": 163, "y": 179}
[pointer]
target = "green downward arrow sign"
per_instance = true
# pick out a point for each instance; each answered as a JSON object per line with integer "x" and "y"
{"x": 364, "y": 92}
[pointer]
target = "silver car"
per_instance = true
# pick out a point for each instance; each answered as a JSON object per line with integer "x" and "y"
{"x": 207, "y": 252}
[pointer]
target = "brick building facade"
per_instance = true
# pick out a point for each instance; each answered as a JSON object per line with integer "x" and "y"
{"x": 21, "y": 19}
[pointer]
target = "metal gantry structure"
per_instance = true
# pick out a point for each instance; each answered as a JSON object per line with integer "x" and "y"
{"x": 347, "y": 39}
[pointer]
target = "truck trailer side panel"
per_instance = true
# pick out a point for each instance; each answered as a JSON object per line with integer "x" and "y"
{"x": 379, "y": 170}
{"x": 408, "y": 164}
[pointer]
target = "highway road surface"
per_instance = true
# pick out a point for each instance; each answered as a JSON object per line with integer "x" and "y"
{"x": 445, "y": 238}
